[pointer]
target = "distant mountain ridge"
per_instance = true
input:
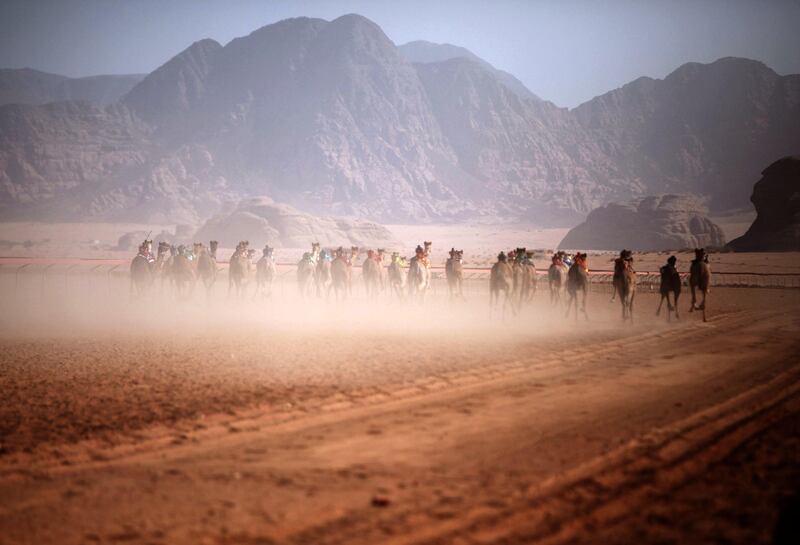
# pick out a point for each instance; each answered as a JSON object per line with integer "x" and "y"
{"x": 332, "y": 118}
{"x": 420, "y": 51}
{"x": 28, "y": 86}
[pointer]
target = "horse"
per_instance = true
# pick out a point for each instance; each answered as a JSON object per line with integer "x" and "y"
{"x": 578, "y": 281}
{"x": 700, "y": 279}
{"x": 454, "y": 272}
{"x": 670, "y": 283}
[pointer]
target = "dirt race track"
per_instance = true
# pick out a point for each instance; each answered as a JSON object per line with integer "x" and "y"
{"x": 305, "y": 422}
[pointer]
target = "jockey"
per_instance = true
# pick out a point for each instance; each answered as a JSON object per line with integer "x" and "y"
{"x": 145, "y": 250}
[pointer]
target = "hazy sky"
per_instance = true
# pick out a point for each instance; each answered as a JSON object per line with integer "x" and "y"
{"x": 565, "y": 51}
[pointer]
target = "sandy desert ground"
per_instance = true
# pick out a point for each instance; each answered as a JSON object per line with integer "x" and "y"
{"x": 289, "y": 421}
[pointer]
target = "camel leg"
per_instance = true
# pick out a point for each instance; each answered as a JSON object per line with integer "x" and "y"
{"x": 705, "y": 299}
{"x": 661, "y": 302}
{"x": 675, "y": 296}
{"x": 630, "y": 308}
{"x": 694, "y": 300}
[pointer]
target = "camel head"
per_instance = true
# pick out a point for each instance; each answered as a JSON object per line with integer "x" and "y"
{"x": 353, "y": 251}
{"x": 163, "y": 248}
{"x": 418, "y": 251}
{"x": 672, "y": 260}
{"x": 428, "y": 245}
{"x": 459, "y": 255}
{"x": 380, "y": 252}
{"x": 315, "y": 248}
{"x": 251, "y": 254}
{"x": 502, "y": 257}
{"x": 370, "y": 254}
{"x": 197, "y": 248}
{"x": 700, "y": 254}
{"x": 520, "y": 254}
{"x": 267, "y": 251}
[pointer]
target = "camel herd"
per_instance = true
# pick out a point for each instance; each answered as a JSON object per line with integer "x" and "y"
{"x": 329, "y": 273}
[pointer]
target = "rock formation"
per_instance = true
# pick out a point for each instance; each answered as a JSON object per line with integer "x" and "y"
{"x": 263, "y": 221}
{"x": 654, "y": 223}
{"x": 776, "y": 197}
{"x": 332, "y": 118}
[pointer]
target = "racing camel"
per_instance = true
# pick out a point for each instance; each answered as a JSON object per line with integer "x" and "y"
{"x": 578, "y": 283}
{"x": 700, "y": 279}
{"x": 501, "y": 279}
{"x": 670, "y": 283}
{"x": 265, "y": 273}
{"x": 418, "y": 277}
{"x": 557, "y": 278}
{"x": 625, "y": 283}
{"x": 454, "y": 272}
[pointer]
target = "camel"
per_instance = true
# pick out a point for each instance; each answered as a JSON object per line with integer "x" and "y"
{"x": 239, "y": 269}
{"x": 265, "y": 273}
{"x": 625, "y": 283}
{"x": 700, "y": 279}
{"x": 322, "y": 274}
{"x": 670, "y": 283}
{"x": 522, "y": 269}
{"x": 205, "y": 266}
{"x": 163, "y": 263}
{"x": 533, "y": 277}
{"x": 578, "y": 281}
{"x": 501, "y": 279}
{"x": 557, "y": 278}
{"x": 350, "y": 260}
{"x": 182, "y": 272}
{"x": 418, "y": 277}
{"x": 397, "y": 280}
{"x": 305, "y": 274}
{"x": 371, "y": 273}
{"x": 340, "y": 275}
{"x": 142, "y": 270}
{"x": 454, "y": 272}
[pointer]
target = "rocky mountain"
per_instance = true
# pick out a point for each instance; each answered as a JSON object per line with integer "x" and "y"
{"x": 423, "y": 52}
{"x": 776, "y": 197}
{"x": 262, "y": 221}
{"x": 705, "y": 129}
{"x": 332, "y": 118}
{"x": 27, "y": 86}
{"x": 654, "y": 223}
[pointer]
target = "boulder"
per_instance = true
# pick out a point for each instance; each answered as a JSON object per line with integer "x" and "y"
{"x": 653, "y": 223}
{"x": 776, "y": 197}
{"x": 261, "y": 221}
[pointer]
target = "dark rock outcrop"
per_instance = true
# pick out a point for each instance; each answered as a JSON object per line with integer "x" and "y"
{"x": 263, "y": 221}
{"x": 654, "y": 223}
{"x": 776, "y": 197}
